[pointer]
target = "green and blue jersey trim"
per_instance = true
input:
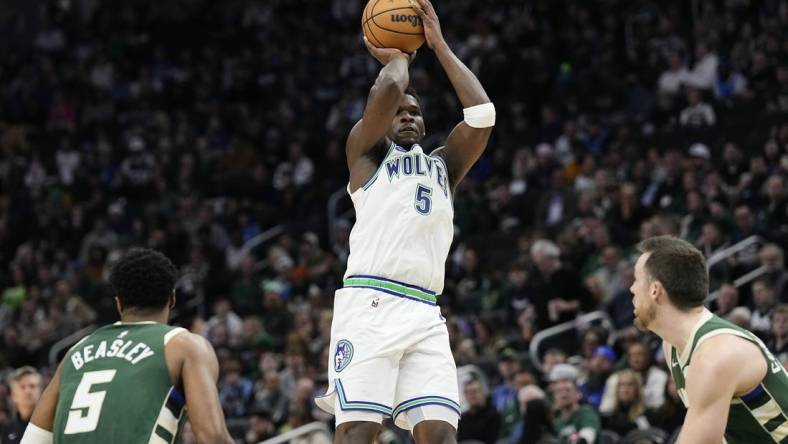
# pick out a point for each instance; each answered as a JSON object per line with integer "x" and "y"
{"x": 366, "y": 406}
{"x": 392, "y": 287}
{"x": 426, "y": 400}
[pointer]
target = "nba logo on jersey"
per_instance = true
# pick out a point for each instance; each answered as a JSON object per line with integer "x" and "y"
{"x": 343, "y": 355}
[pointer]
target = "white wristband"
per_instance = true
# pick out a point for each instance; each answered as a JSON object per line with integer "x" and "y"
{"x": 480, "y": 116}
{"x": 36, "y": 435}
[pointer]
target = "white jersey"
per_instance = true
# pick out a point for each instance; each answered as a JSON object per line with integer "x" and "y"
{"x": 404, "y": 221}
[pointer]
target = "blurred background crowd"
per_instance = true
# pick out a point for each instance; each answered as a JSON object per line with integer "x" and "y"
{"x": 214, "y": 132}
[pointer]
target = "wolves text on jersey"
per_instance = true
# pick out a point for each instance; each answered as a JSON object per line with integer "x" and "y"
{"x": 418, "y": 164}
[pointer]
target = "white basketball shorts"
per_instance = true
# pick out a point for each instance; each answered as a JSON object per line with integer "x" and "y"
{"x": 390, "y": 356}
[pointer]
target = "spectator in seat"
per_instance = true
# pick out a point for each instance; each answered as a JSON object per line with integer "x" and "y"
{"x": 778, "y": 343}
{"x": 480, "y": 422}
{"x": 551, "y": 358}
{"x": 673, "y": 79}
{"x": 269, "y": 397}
{"x": 25, "y": 390}
{"x": 704, "y": 72}
{"x": 639, "y": 361}
{"x": 727, "y": 299}
{"x": 730, "y": 85}
{"x": 620, "y": 307}
{"x": 505, "y": 394}
{"x": 698, "y": 113}
{"x": 235, "y": 391}
{"x": 763, "y": 307}
{"x": 772, "y": 259}
{"x": 561, "y": 294}
{"x": 536, "y": 420}
{"x": 571, "y": 417}
{"x": 600, "y": 367}
{"x": 774, "y": 210}
{"x": 629, "y": 406}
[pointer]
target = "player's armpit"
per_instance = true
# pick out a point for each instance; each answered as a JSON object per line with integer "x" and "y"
{"x": 710, "y": 384}
{"x": 199, "y": 374}
{"x": 44, "y": 414}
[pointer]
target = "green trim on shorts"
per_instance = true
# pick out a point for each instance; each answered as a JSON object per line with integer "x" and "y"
{"x": 391, "y": 287}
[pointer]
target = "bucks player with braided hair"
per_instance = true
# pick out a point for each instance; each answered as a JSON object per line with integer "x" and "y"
{"x": 734, "y": 389}
{"x": 132, "y": 381}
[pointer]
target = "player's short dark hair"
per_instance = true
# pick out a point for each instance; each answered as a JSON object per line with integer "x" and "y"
{"x": 412, "y": 92}
{"x": 679, "y": 267}
{"x": 143, "y": 278}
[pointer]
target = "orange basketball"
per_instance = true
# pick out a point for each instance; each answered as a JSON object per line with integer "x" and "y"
{"x": 392, "y": 24}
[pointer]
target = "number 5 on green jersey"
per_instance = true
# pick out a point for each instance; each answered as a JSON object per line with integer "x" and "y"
{"x": 85, "y": 399}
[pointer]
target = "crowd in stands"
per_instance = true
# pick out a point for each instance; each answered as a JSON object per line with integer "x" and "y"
{"x": 195, "y": 127}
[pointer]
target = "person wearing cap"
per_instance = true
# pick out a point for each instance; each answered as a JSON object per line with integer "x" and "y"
{"x": 276, "y": 317}
{"x": 599, "y": 368}
{"x": 573, "y": 420}
{"x": 25, "y": 392}
{"x": 504, "y": 396}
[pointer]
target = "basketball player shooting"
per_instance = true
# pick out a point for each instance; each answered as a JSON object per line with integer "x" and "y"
{"x": 390, "y": 354}
{"x": 735, "y": 390}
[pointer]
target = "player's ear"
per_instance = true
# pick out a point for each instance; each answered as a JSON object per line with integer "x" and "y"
{"x": 118, "y": 305}
{"x": 172, "y": 300}
{"x": 655, "y": 289}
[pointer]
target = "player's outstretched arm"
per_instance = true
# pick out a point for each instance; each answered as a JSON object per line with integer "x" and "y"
{"x": 714, "y": 377}
{"x": 469, "y": 138}
{"x": 382, "y": 104}
{"x": 39, "y": 429}
{"x": 199, "y": 374}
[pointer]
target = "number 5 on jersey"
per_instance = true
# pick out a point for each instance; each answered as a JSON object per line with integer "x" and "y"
{"x": 423, "y": 199}
{"x": 84, "y": 399}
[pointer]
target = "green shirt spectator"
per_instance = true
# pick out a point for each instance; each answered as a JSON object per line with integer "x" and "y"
{"x": 571, "y": 418}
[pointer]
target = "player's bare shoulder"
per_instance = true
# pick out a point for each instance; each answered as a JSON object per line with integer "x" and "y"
{"x": 185, "y": 346}
{"x": 720, "y": 358}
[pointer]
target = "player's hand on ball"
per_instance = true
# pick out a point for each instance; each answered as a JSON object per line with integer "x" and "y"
{"x": 432, "y": 26}
{"x": 384, "y": 55}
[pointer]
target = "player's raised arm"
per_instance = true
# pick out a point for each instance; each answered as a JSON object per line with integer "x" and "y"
{"x": 199, "y": 374}
{"x": 382, "y": 104}
{"x": 39, "y": 429}
{"x": 469, "y": 138}
{"x": 714, "y": 377}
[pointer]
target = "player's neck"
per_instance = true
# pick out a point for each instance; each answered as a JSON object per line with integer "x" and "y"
{"x": 677, "y": 326}
{"x": 160, "y": 316}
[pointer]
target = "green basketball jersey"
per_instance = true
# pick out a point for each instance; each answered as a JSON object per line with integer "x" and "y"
{"x": 115, "y": 388}
{"x": 760, "y": 416}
